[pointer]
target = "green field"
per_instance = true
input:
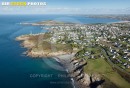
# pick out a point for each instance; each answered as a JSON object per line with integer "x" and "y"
{"x": 102, "y": 67}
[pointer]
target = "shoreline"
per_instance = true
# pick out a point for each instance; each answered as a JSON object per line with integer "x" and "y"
{"x": 26, "y": 42}
{"x": 65, "y": 60}
{"x": 119, "y": 22}
{"x": 75, "y": 67}
{"x": 57, "y": 23}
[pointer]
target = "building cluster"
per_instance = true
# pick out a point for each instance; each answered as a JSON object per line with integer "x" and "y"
{"x": 115, "y": 37}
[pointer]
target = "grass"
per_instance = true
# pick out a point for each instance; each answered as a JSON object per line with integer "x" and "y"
{"x": 102, "y": 67}
{"x": 42, "y": 43}
{"x": 48, "y": 47}
{"x": 128, "y": 69}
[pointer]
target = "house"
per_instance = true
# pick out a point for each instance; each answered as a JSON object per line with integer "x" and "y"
{"x": 125, "y": 64}
{"x": 128, "y": 66}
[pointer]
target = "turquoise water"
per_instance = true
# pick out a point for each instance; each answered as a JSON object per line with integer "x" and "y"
{"x": 16, "y": 70}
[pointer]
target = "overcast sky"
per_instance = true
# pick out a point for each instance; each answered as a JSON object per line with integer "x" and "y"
{"x": 70, "y": 7}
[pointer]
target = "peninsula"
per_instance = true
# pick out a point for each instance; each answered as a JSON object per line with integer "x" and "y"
{"x": 100, "y": 52}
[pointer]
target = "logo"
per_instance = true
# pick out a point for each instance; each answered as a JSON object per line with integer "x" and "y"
{"x": 23, "y": 3}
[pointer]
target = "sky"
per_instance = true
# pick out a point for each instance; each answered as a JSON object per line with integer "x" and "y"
{"x": 69, "y": 7}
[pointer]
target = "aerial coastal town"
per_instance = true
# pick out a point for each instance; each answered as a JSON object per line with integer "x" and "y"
{"x": 64, "y": 43}
{"x": 114, "y": 38}
{"x": 101, "y": 49}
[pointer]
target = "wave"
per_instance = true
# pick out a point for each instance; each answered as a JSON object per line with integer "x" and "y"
{"x": 73, "y": 83}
